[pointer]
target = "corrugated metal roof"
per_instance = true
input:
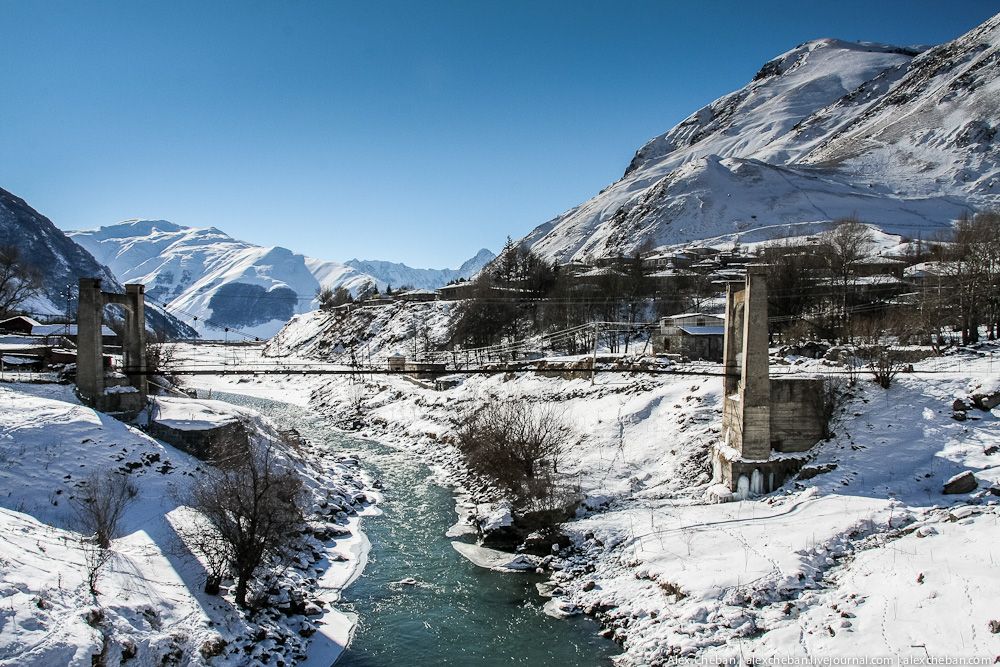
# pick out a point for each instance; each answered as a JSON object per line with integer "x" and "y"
{"x": 64, "y": 330}
{"x": 703, "y": 331}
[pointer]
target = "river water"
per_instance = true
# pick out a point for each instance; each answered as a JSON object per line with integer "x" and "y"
{"x": 457, "y": 613}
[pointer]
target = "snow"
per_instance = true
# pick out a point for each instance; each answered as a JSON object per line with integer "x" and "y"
{"x": 672, "y": 572}
{"x": 151, "y": 597}
{"x": 492, "y": 559}
{"x": 185, "y": 414}
{"x": 17, "y": 361}
{"x": 828, "y": 130}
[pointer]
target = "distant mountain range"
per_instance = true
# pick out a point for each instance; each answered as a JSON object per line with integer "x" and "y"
{"x": 215, "y": 281}
{"x": 905, "y": 138}
{"x": 62, "y": 263}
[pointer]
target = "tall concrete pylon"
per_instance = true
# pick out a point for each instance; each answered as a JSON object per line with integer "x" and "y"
{"x": 768, "y": 424}
{"x": 747, "y": 409}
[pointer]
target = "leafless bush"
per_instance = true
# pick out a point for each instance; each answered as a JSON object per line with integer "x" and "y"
{"x": 357, "y": 394}
{"x": 100, "y": 508}
{"x": 252, "y": 511}
{"x": 98, "y": 512}
{"x": 883, "y": 364}
{"x": 518, "y": 446}
{"x": 880, "y": 352}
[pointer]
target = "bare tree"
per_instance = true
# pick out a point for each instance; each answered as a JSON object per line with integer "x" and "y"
{"x": 516, "y": 445}
{"x": 252, "y": 508}
{"x": 19, "y": 280}
{"x": 880, "y": 352}
{"x": 843, "y": 247}
{"x": 98, "y": 512}
{"x": 973, "y": 268}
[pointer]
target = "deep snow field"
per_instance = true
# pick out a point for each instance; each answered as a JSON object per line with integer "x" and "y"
{"x": 151, "y": 605}
{"x": 869, "y": 559}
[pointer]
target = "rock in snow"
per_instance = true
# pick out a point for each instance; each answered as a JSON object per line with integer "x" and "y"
{"x": 964, "y": 482}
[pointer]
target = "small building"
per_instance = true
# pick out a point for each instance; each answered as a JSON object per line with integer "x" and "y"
{"x": 692, "y": 335}
{"x": 457, "y": 291}
{"x": 53, "y": 332}
{"x": 19, "y": 324}
{"x": 880, "y": 266}
{"x": 21, "y": 362}
{"x": 397, "y": 363}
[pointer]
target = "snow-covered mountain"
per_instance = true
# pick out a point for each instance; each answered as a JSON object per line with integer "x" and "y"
{"x": 217, "y": 282}
{"x": 901, "y": 137}
{"x": 397, "y": 275}
{"x": 62, "y": 263}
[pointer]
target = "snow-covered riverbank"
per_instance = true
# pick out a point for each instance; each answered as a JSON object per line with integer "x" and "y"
{"x": 151, "y": 608}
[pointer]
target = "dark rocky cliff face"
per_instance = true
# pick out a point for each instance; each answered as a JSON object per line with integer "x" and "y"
{"x": 244, "y": 305}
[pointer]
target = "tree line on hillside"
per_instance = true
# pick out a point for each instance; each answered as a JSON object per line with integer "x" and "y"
{"x": 836, "y": 287}
{"x": 953, "y": 285}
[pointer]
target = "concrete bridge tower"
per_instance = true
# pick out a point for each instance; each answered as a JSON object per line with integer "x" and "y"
{"x": 766, "y": 422}
{"x": 90, "y": 378}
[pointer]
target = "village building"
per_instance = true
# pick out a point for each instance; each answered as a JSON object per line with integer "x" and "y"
{"x": 456, "y": 291}
{"x": 417, "y": 295}
{"x": 54, "y": 333}
{"x": 691, "y": 335}
{"x": 19, "y": 324}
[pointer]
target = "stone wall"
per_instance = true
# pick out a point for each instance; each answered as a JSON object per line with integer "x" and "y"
{"x": 206, "y": 444}
{"x": 798, "y": 419}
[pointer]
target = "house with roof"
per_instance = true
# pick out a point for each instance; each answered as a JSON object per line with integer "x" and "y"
{"x": 19, "y": 324}
{"x": 691, "y": 335}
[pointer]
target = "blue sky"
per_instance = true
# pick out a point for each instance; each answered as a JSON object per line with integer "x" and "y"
{"x": 411, "y": 131}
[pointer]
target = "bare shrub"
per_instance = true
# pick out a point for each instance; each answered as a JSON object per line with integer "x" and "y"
{"x": 98, "y": 511}
{"x": 100, "y": 508}
{"x": 357, "y": 394}
{"x": 829, "y": 400}
{"x": 883, "y": 364}
{"x": 252, "y": 513}
{"x": 518, "y": 446}
{"x": 19, "y": 279}
{"x": 880, "y": 352}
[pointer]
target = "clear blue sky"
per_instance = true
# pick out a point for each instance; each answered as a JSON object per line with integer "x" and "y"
{"x": 412, "y": 131}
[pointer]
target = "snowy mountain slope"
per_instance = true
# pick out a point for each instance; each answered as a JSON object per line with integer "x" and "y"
{"x": 715, "y": 199}
{"x": 151, "y": 609}
{"x": 935, "y": 128}
{"x": 397, "y": 275}
{"x": 225, "y": 283}
{"x": 896, "y": 126}
{"x": 63, "y": 262}
{"x": 185, "y": 268}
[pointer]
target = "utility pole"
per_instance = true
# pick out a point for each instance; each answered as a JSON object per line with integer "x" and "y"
{"x": 593, "y": 359}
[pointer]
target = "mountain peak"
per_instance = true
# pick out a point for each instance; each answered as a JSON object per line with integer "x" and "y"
{"x": 135, "y": 227}
{"x": 903, "y": 135}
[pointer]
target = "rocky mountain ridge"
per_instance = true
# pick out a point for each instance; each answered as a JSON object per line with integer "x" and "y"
{"x": 901, "y": 137}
